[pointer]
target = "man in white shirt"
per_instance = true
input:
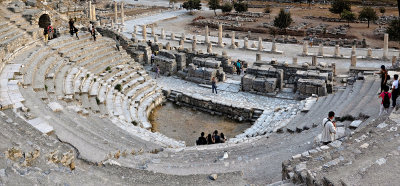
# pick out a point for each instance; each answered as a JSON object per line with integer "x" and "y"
{"x": 329, "y": 128}
{"x": 395, "y": 89}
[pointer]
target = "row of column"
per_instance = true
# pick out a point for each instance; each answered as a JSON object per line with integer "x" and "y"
{"x": 91, "y": 11}
{"x": 116, "y": 13}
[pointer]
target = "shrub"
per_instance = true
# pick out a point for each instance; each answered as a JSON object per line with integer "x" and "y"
{"x": 240, "y": 6}
{"x": 283, "y": 20}
{"x": 369, "y": 14}
{"x": 338, "y": 6}
{"x": 118, "y": 87}
{"x": 108, "y": 68}
{"x": 227, "y": 7}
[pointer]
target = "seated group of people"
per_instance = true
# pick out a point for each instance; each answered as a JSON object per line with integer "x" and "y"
{"x": 211, "y": 139}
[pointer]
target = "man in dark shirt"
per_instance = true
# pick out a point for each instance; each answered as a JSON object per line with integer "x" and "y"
{"x": 217, "y": 138}
{"x": 202, "y": 140}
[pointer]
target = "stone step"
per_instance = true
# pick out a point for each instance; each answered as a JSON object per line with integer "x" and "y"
{"x": 40, "y": 74}
{"x": 352, "y": 96}
{"x": 145, "y": 108}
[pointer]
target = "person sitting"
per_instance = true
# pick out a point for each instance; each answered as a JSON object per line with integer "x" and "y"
{"x": 216, "y": 137}
{"x": 202, "y": 140}
{"x": 210, "y": 139}
{"x": 223, "y": 139}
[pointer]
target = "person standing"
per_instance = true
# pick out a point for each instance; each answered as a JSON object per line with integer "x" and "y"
{"x": 238, "y": 67}
{"x": 384, "y": 77}
{"x": 117, "y": 43}
{"x": 45, "y": 35}
{"x": 71, "y": 27}
{"x": 93, "y": 31}
{"x": 395, "y": 89}
{"x": 214, "y": 85}
{"x": 50, "y": 31}
{"x": 76, "y": 32}
{"x": 157, "y": 72}
{"x": 152, "y": 58}
{"x": 385, "y": 104}
{"x": 329, "y": 128}
{"x": 202, "y": 140}
{"x": 90, "y": 27}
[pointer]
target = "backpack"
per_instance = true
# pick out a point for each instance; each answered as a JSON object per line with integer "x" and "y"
{"x": 50, "y": 28}
{"x": 386, "y": 100}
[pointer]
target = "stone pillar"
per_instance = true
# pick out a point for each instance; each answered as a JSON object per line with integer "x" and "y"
{"x": 273, "y": 49}
{"x": 369, "y": 53}
{"x": 333, "y": 68}
{"x": 294, "y": 62}
{"x": 155, "y": 39}
{"x": 115, "y": 12}
{"x": 172, "y": 36}
{"x": 122, "y": 13}
{"x": 94, "y": 12}
{"x": 353, "y": 61}
{"x": 135, "y": 29}
{"x": 385, "y": 46}
{"x": 134, "y": 39}
{"x": 90, "y": 16}
{"x": 337, "y": 51}
{"x": 394, "y": 60}
{"x": 112, "y": 24}
{"x": 194, "y": 43}
{"x": 260, "y": 45}
{"x": 183, "y": 37}
{"x": 305, "y": 48}
{"x": 258, "y": 57}
{"x": 220, "y": 36}
{"x": 209, "y": 48}
{"x": 152, "y": 31}
{"x": 321, "y": 50}
{"x": 181, "y": 42}
{"x": 233, "y": 46}
{"x": 314, "y": 60}
{"x": 144, "y": 33}
{"x": 253, "y": 45}
{"x": 353, "y": 50}
{"x": 246, "y": 43}
{"x": 249, "y": 33}
{"x": 167, "y": 46}
{"x": 162, "y": 33}
{"x": 207, "y": 40}
{"x": 224, "y": 53}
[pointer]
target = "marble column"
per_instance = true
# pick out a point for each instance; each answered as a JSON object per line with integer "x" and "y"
{"x": 273, "y": 49}
{"x": 385, "y": 46}
{"x": 246, "y": 43}
{"x": 144, "y": 33}
{"x": 254, "y": 45}
{"x": 294, "y": 61}
{"x": 337, "y": 51}
{"x": 220, "y": 44}
{"x": 135, "y": 30}
{"x": 321, "y": 50}
{"x": 115, "y": 12}
{"x": 152, "y": 31}
{"x": 233, "y": 46}
{"x": 168, "y": 46}
{"x": 353, "y": 50}
{"x": 209, "y": 48}
{"x": 258, "y": 57}
{"x": 305, "y": 48}
{"x": 260, "y": 44}
{"x": 183, "y": 37}
{"x": 194, "y": 43}
{"x": 122, "y": 13}
{"x": 394, "y": 60}
{"x": 155, "y": 39}
{"x": 94, "y": 12}
{"x": 162, "y": 33}
{"x": 353, "y": 61}
{"x": 314, "y": 61}
{"x": 369, "y": 53}
{"x": 333, "y": 68}
{"x": 134, "y": 39}
{"x": 181, "y": 42}
{"x": 172, "y": 36}
{"x": 207, "y": 40}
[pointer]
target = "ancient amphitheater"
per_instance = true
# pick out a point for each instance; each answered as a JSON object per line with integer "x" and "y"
{"x": 64, "y": 122}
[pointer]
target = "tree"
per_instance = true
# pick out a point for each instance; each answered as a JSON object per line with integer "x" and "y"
{"x": 338, "y": 6}
{"x": 348, "y": 16}
{"x": 227, "y": 7}
{"x": 213, "y": 5}
{"x": 382, "y": 10}
{"x": 393, "y": 30}
{"x": 369, "y": 14}
{"x": 192, "y": 5}
{"x": 283, "y": 20}
{"x": 240, "y": 6}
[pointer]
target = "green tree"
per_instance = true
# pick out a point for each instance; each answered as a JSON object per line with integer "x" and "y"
{"x": 283, "y": 20}
{"x": 213, "y": 5}
{"x": 338, "y": 6}
{"x": 348, "y": 16}
{"x": 240, "y": 6}
{"x": 227, "y": 7}
{"x": 382, "y": 10}
{"x": 393, "y": 30}
{"x": 192, "y": 5}
{"x": 369, "y": 14}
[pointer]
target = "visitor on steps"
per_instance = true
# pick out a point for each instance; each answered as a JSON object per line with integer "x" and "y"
{"x": 202, "y": 140}
{"x": 152, "y": 58}
{"x": 329, "y": 128}
{"x": 216, "y": 137}
{"x": 210, "y": 139}
{"x": 117, "y": 44}
{"x": 76, "y": 32}
{"x": 93, "y": 32}
{"x": 238, "y": 67}
{"x": 384, "y": 77}
{"x": 45, "y": 35}
{"x": 157, "y": 72}
{"x": 395, "y": 89}
{"x": 90, "y": 27}
{"x": 214, "y": 85}
{"x": 223, "y": 139}
{"x": 385, "y": 104}
{"x": 71, "y": 27}
{"x": 50, "y": 31}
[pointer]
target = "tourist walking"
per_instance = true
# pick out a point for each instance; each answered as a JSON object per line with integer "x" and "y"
{"x": 385, "y": 104}
{"x": 76, "y": 32}
{"x": 210, "y": 139}
{"x": 329, "y": 128}
{"x": 395, "y": 89}
{"x": 202, "y": 140}
{"x": 71, "y": 27}
{"x": 93, "y": 32}
{"x": 45, "y": 35}
{"x": 384, "y": 77}
{"x": 90, "y": 27}
{"x": 117, "y": 43}
{"x": 214, "y": 85}
{"x": 216, "y": 137}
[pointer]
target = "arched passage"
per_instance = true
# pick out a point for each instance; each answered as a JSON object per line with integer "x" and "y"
{"x": 44, "y": 21}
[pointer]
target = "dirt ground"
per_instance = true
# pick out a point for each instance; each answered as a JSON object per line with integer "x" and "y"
{"x": 185, "y": 124}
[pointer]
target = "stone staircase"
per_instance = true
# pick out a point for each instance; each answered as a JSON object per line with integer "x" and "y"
{"x": 357, "y": 99}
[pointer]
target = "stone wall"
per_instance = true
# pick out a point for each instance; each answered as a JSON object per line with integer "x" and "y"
{"x": 308, "y": 87}
{"x": 262, "y": 79}
{"x": 212, "y": 106}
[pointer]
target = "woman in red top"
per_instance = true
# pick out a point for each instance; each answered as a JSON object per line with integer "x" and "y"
{"x": 385, "y": 104}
